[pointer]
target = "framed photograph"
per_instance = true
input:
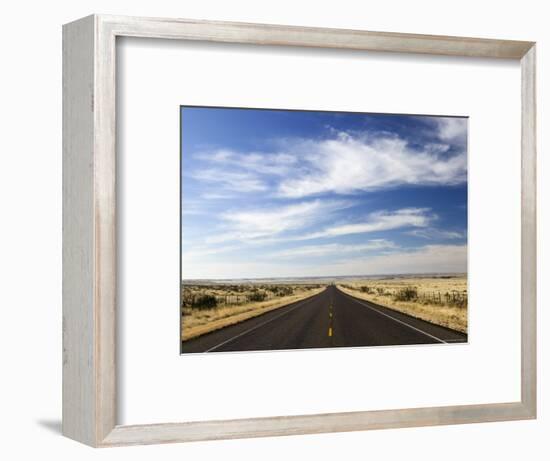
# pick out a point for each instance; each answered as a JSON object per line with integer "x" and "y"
{"x": 317, "y": 223}
{"x": 274, "y": 230}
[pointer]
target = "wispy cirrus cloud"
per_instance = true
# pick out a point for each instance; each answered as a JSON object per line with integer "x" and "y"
{"x": 334, "y": 249}
{"x": 235, "y": 181}
{"x": 262, "y": 163}
{"x": 433, "y": 233}
{"x": 286, "y": 224}
{"x": 265, "y": 223}
{"x": 379, "y": 221}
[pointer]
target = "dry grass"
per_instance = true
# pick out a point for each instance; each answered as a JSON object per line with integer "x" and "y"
{"x": 385, "y": 292}
{"x": 197, "y": 322}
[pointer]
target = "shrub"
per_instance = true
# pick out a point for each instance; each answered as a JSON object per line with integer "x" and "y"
{"x": 406, "y": 294}
{"x": 281, "y": 290}
{"x": 456, "y": 298}
{"x": 285, "y": 291}
{"x": 257, "y": 296}
{"x": 205, "y": 302}
{"x": 186, "y": 298}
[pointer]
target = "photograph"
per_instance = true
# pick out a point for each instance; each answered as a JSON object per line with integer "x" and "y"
{"x": 303, "y": 229}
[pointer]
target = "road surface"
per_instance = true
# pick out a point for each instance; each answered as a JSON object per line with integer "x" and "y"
{"x": 329, "y": 319}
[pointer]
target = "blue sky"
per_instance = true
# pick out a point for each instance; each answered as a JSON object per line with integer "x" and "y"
{"x": 274, "y": 193}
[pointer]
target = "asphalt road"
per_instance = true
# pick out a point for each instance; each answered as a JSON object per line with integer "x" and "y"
{"x": 329, "y": 319}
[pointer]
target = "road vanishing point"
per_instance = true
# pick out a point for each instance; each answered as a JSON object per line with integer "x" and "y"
{"x": 328, "y": 319}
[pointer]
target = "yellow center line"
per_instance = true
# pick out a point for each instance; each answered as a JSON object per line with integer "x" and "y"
{"x": 330, "y": 320}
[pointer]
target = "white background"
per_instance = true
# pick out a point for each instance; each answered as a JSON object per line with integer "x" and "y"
{"x": 157, "y": 76}
{"x": 30, "y": 248}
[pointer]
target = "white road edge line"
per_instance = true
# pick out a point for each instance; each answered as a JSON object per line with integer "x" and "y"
{"x": 397, "y": 320}
{"x": 260, "y": 325}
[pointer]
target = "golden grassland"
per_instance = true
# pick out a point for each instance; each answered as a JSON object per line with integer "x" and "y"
{"x": 199, "y": 321}
{"x": 433, "y": 300}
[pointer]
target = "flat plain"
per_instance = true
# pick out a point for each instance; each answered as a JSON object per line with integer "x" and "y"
{"x": 439, "y": 299}
{"x": 355, "y": 311}
{"x": 209, "y": 306}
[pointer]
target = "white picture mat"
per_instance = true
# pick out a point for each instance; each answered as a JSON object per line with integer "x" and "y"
{"x": 156, "y": 384}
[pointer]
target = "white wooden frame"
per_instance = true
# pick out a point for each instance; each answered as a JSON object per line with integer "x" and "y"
{"x": 89, "y": 233}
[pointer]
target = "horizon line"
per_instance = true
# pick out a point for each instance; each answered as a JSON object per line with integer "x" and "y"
{"x": 327, "y": 276}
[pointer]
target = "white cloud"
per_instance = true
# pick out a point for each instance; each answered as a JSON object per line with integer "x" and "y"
{"x": 432, "y": 233}
{"x": 350, "y": 163}
{"x": 452, "y": 129}
{"x": 235, "y": 181}
{"x": 278, "y": 164}
{"x": 218, "y": 195}
{"x": 266, "y": 223}
{"x": 333, "y": 249}
{"x": 379, "y": 221}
